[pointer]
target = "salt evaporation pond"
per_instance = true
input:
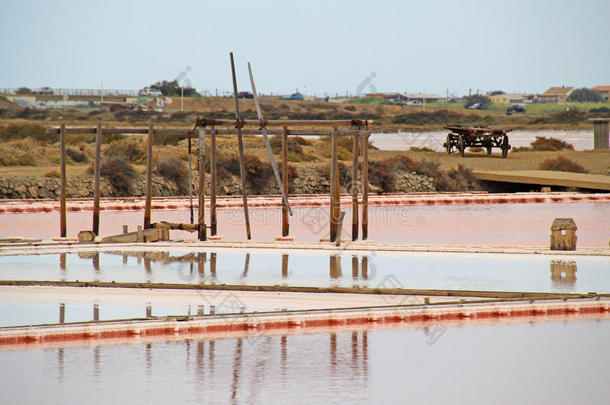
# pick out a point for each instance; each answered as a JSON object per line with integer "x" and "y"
{"x": 555, "y": 362}
{"x": 455, "y": 271}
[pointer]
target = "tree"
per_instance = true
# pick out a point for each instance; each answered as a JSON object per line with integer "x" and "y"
{"x": 23, "y": 90}
{"x": 484, "y": 101}
{"x": 495, "y": 93}
{"x": 585, "y": 95}
{"x": 172, "y": 89}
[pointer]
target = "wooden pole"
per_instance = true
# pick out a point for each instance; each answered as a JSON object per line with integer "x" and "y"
{"x": 259, "y": 113}
{"x": 285, "y": 223}
{"x": 96, "y": 181}
{"x": 192, "y": 218}
{"x": 201, "y": 218}
{"x": 240, "y": 147}
{"x": 213, "y": 219}
{"x": 365, "y": 185}
{"x": 354, "y": 189}
{"x": 334, "y": 217}
{"x": 149, "y": 164}
{"x": 62, "y": 198}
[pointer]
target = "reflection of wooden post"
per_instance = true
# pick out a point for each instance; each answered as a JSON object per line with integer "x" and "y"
{"x": 285, "y": 224}
{"x": 62, "y": 261}
{"x": 62, "y": 198}
{"x": 201, "y": 265}
{"x": 96, "y": 180}
{"x": 213, "y": 265}
{"x": 333, "y": 350}
{"x": 365, "y": 267}
{"x": 96, "y": 261}
{"x": 149, "y": 164}
{"x": 355, "y": 267}
{"x": 149, "y": 311}
{"x": 213, "y": 221}
{"x": 365, "y": 185}
{"x": 62, "y": 313}
{"x": 354, "y": 187}
{"x": 96, "y": 312}
{"x": 246, "y": 265}
{"x": 284, "y": 266}
{"x": 335, "y": 266}
{"x": 201, "y": 218}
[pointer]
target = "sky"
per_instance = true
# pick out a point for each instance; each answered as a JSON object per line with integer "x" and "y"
{"x": 319, "y": 47}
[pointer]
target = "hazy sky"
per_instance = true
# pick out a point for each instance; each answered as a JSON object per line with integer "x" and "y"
{"x": 317, "y": 46}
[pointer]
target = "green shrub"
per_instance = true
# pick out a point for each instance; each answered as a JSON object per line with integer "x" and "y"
{"x": 119, "y": 174}
{"x": 26, "y": 160}
{"x": 293, "y": 145}
{"x": 420, "y": 149}
{"x": 176, "y": 171}
{"x": 382, "y": 173}
{"x": 562, "y": 164}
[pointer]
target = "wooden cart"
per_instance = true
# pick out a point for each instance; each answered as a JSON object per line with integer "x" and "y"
{"x": 462, "y": 137}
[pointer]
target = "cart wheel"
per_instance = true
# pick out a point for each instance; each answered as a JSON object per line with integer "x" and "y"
{"x": 488, "y": 147}
{"x": 461, "y": 146}
{"x": 505, "y": 146}
{"x": 448, "y": 144}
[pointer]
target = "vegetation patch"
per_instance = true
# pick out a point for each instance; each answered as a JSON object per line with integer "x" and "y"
{"x": 562, "y": 164}
{"x": 119, "y": 174}
{"x": 546, "y": 144}
{"x": 175, "y": 171}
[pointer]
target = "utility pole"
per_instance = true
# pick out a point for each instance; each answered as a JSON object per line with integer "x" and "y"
{"x": 181, "y": 98}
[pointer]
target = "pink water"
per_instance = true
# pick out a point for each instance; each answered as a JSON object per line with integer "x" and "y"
{"x": 421, "y": 219}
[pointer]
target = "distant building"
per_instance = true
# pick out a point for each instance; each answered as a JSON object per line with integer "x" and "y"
{"x": 512, "y": 98}
{"x": 555, "y": 95}
{"x": 603, "y": 91}
{"x": 428, "y": 98}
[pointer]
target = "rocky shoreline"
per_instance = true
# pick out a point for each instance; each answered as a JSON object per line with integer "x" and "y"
{"x": 308, "y": 181}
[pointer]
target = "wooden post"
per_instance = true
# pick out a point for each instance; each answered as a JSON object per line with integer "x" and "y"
{"x": 201, "y": 218}
{"x": 149, "y": 164}
{"x": 285, "y": 223}
{"x": 333, "y": 184}
{"x": 96, "y": 181}
{"x": 213, "y": 220}
{"x": 240, "y": 149}
{"x": 62, "y": 198}
{"x": 354, "y": 189}
{"x": 365, "y": 185}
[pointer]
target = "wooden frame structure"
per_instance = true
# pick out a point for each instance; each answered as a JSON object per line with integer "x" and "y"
{"x": 356, "y": 129}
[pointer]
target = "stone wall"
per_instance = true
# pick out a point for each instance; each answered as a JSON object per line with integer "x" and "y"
{"x": 309, "y": 181}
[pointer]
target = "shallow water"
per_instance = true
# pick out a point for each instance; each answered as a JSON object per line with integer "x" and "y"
{"x": 459, "y": 271}
{"x": 559, "y": 363}
{"x": 482, "y": 224}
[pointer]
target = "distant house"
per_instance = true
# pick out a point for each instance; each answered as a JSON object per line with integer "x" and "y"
{"x": 511, "y": 98}
{"x": 555, "y": 95}
{"x": 428, "y": 98}
{"x": 603, "y": 91}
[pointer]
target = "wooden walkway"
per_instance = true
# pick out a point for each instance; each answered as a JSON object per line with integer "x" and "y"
{"x": 547, "y": 178}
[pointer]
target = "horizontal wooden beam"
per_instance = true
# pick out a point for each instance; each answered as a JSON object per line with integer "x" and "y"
{"x": 281, "y": 123}
{"x": 187, "y": 132}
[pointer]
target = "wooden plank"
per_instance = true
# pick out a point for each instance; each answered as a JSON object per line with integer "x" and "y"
{"x": 149, "y": 165}
{"x": 365, "y": 185}
{"x": 281, "y": 123}
{"x": 547, "y": 178}
{"x": 220, "y": 131}
{"x": 285, "y": 223}
{"x": 190, "y": 179}
{"x": 202, "y": 234}
{"x": 261, "y": 118}
{"x": 96, "y": 180}
{"x": 354, "y": 187}
{"x": 62, "y": 198}
{"x": 213, "y": 180}
{"x": 240, "y": 145}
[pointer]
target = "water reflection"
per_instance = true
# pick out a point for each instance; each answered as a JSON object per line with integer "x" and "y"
{"x": 563, "y": 271}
